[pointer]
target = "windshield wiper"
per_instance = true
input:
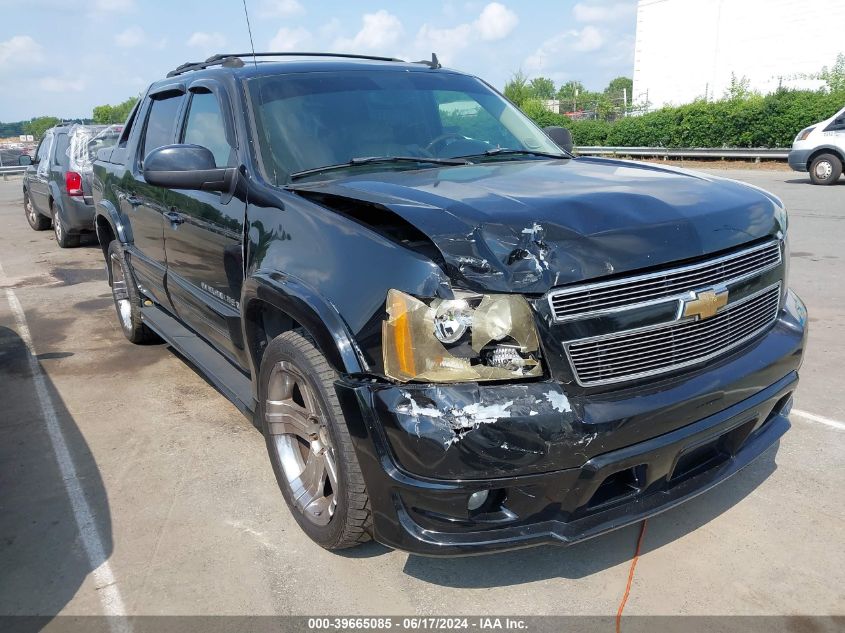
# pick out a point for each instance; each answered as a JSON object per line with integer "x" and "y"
{"x": 367, "y": 160}
{"x": 499, "y": 151}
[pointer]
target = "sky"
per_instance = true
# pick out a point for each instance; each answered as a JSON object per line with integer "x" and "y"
{"x": 62, "y": 58}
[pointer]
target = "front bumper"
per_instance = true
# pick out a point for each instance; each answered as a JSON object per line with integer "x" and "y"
{"x": 797, "y": 159}
{"x": 563, "y": 470}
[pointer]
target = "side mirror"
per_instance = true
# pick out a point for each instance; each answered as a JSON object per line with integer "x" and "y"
{"x": 24, "y": 160}
{"x": 561, "y": 136}
{"x": 187, "y": 167}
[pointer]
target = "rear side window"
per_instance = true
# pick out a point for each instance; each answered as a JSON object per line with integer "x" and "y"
{"x": 204, "y": 126}
{"x": 62, "y": 143}
{"x": 160, "y": 123}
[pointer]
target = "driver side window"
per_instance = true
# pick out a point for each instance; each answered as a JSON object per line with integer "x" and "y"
{"x": 204, "y": 126}
{"x": 43, "y": 154}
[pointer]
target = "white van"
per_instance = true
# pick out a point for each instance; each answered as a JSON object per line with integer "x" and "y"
{"x": 820, "y": 149}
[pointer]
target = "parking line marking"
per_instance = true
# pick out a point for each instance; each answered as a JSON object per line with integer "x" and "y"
{"x": 104, "y": 579}
{"x": 836, "y": 424}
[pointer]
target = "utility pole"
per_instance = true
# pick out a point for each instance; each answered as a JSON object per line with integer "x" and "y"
{"x": 624, "y": 101}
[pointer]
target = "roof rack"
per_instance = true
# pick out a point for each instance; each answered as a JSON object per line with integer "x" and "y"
{"x": 234, "y": 60}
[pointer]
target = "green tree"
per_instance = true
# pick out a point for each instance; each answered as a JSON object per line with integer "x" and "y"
{"x": 114, "y": 113}
{"x": 38, "y": 125}
{"x": 13, "y": 128}
{"x": 517, "y": 89}
{"x": 536, "y": 110}
{"x": 739, "y": 89}
{"x": 619, "y": 89}
{"x": 604, "y": 107}
{"x": 570, "y": 90}
{"x": 618, "y": 85}
{"x": 834, "y": 77}
{"x": 542, "y": 88}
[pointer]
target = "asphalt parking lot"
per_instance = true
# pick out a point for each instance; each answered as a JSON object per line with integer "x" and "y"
{"x": 189, "y": 519}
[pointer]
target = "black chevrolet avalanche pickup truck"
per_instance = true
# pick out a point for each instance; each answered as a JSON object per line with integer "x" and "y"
{"x": 455, "y": 336}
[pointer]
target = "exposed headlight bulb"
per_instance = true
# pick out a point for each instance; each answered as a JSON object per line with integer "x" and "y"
{"x": 506, "y": 357}
{"x": 451, "y": 320}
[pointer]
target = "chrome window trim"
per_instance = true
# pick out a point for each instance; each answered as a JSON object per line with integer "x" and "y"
{"x": 644, "y": 277}
{"x": 654, "y": 328}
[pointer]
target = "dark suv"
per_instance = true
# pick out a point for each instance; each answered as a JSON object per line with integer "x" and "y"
{"x": 454, "y": 335}
{"x": 57, "y": 184}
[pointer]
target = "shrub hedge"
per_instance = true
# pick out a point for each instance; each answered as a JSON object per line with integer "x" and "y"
{"x": 755, "y": 121}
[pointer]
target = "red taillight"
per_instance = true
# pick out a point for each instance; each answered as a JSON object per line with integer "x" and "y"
{"x": 73, "y": 182}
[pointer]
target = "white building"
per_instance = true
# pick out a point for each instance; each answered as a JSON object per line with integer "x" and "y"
{"x": 687, "y": 49}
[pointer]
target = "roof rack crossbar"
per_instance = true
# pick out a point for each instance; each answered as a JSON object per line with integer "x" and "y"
{"x": 224, "y": 58}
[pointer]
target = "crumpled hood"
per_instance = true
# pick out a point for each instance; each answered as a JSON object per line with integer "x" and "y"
{"x": 529, "y": 226}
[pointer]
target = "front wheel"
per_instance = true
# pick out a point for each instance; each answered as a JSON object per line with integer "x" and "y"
{"x": 825, "y": 169}
{"x": 127, "y": 299}
{"x": 309, "y": 445}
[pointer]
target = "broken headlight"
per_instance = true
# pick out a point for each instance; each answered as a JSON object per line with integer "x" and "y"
{"x": 469, "y": 338}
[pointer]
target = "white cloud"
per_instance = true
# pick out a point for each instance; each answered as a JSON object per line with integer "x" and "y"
{"x": 59, "y": 84}
{"x": 584, "y": 12}
{"x": 130, "y": 37}
{"x": 538, "y": 61}
{"x": 113, "y": 6}
{"x": 495, "y": 22}
{"x": 589, "y": 39}
{"x": 280, "y": 8}
{"x": 379, "y": 31}
{"x": 556, "y": 48}
{"x": 20, "y": 49}
{"x": 445, "y": 42}
{"x": 207, "y": 41}
{"x": 290, "y": 39}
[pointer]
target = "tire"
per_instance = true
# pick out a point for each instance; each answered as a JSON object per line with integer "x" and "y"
{"x": 127, "y": 299}
{"x": 63, "y": 238}
{"x": 306, "y": 435}
{"x": 825, "y": 169}
{"x": 37, "y": 222}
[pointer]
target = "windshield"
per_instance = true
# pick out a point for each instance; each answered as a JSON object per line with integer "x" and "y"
{"x": 312, "y": 120}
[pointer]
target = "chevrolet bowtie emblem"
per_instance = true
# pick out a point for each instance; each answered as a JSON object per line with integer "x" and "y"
{"x": 706, "y": 303}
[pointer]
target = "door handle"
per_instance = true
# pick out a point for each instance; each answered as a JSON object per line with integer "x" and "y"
{"x": 132, "y": 199}
{"x": 174, "y": 217}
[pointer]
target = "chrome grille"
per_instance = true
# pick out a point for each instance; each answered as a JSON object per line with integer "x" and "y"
{"x": 654, "y": 350}
{"x": 585, "y": 300}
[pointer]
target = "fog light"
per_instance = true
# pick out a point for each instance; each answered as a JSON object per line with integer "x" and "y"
{"x": 477, "y": 499}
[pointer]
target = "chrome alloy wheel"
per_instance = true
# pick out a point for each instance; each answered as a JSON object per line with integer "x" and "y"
{"x": 31, "y": 213}
{"x": 120, "y": 293}
{"x": 300, "y": 437}
{"x": 57, "y": 226}
{"x": 823, "y": 169}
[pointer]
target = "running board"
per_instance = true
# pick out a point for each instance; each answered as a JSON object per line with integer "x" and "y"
{"x": 225, "y": 377}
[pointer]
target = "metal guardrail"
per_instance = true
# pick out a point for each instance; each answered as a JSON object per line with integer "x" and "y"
{"x": 755, "y": 153}
{"x": 11, "y": 170}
